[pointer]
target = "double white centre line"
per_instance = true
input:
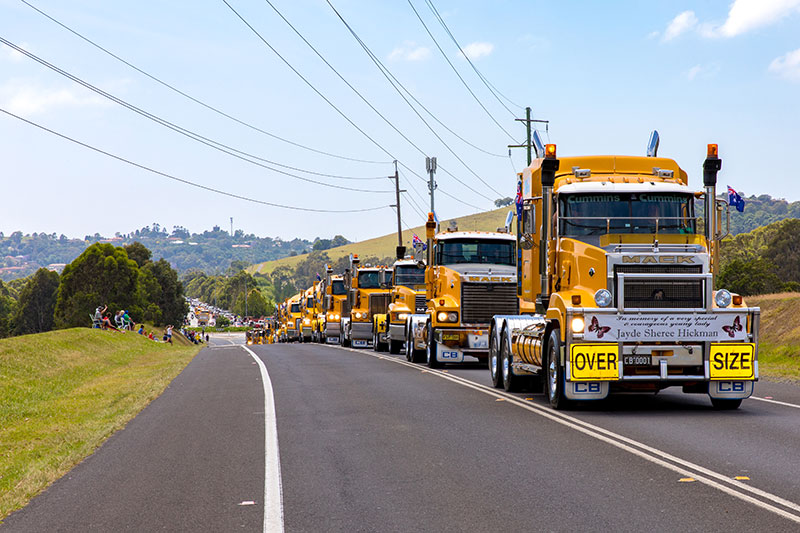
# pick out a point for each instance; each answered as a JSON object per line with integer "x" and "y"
{"x": 765, "y": 500}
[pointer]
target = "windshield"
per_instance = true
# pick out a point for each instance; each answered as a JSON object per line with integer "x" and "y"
{"x": 337, "y": 287}
{"x": 455, "y": 251}
{"x": 295, "y": 308}
{"x": 370, "y": 279}
{"x": 409, "y": 276}
{"x": 599, "y": 214}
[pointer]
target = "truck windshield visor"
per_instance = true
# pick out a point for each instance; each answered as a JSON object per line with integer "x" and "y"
{"x": 600, "y": 213}
{"x": 457, "y": 251}
{"x": 337, "y": 287}
{"x": 409, "y": 276}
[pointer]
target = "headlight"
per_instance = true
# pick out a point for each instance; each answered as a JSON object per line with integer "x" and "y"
{"x": 402, "y": 316}
{"x": 358, "y": 315}
{"x": 306, "y": 321}
{"x": 602, "y": 298}
{"x": 331, "y": 316}
{"x": 338, "y": 316}
{"x": 722, "y": 298}
{"x": 444, "y": 316}
{"x": 577, "y": 324}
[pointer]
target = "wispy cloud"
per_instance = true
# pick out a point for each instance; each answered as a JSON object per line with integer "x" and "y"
{"x": 787, "y": 66}
{"x": 409, "y": 51}
{"x": 693, "y": 72}
{"x": 477, "y": 50}
{"x": 702, "y": 72}
{"x": 26, "y": 98}
{"x": 682, "y": 23}
{"x": 743, "y": 16}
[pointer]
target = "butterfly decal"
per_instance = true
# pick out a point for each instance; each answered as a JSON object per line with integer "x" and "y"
{"x": 601, "y": 330}
{"x": 732, "y": 329}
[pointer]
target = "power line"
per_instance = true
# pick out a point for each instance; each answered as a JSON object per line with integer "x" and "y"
{"x": 244, "y": 156}
{"x": 456, "y": 71}
{"x": 349, "y": 85}
{"x": 197, "y": 101}
{"x": 492, "y": 88}
{"x": 185, "y": 181}
{"x": 390, "y": 77}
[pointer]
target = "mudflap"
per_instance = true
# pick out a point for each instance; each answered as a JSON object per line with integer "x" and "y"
{"x": 730, "y": 390}
{"x": 447, "y": 354}
{"x": 586, "y": 390}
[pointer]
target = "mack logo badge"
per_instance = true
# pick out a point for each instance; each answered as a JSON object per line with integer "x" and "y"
{"x": 645, "y": 259}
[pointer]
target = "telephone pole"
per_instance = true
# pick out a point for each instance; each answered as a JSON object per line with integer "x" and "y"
{"x": 430, "y": 166}
{"x": 231, "y": 227}
{"x": 401, "y": 250}
{"x": 531, "y": 146}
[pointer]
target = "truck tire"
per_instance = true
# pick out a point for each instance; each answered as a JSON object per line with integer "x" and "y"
{"x": 554, "y": 373}
{"x": 495, "y": 363}
{"x": 511, "y": 382}
{"x": 721, "y": 404}
{"x": 430, "y": 352}
{"x": 395, "y": 346}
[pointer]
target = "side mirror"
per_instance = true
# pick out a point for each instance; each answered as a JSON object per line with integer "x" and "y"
{"x": 509, "y": 219}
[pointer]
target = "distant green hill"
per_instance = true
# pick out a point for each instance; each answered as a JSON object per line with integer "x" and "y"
{"x": 384, "y": 246}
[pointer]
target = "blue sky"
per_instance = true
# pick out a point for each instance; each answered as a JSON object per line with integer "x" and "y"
{"x": 604, "y": 74}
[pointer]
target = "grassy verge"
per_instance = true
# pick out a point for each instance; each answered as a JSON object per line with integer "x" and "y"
{"x": 779, "y": 335}
{"x": 63, "y": 393}
{"x": 212, "y": 329}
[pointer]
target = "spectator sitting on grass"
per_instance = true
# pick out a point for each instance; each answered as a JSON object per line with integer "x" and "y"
{"x": 126, "y": 319}
{"x": 141, "y": 329}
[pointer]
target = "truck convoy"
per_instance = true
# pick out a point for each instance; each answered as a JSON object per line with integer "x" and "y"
{"x": 616, "y": 285}
{"x": 607, "y": 286}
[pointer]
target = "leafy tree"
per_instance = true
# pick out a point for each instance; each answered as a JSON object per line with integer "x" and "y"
{"x": 138, "y": 252}
{"x": 7, "y": 305}
{"x": 101, "y": 275}
{"x": 170, "y": 300}
{"x": 502, "y": 202}
{"x": 37, "y": 302}
{"x": 747, "y": 277}
{"x": 237, "y": 266}
{"x": 222, "y": 321}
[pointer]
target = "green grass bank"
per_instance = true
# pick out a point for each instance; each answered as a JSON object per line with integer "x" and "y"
{"x": 779, "y": 335}
{"x": 64, "y": 392}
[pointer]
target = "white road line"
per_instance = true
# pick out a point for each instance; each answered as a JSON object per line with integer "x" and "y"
{"x": 273, "y": 490}
{"x": 775, "y": 402}
{"x": 646, "y": 452}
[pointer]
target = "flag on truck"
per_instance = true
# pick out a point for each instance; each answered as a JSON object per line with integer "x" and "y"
{"x": 735, "y": 200}
{"x": 417, "y": 242}
{"x": 518, "y": 200}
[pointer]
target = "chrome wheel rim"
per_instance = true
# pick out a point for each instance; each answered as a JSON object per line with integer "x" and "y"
{"x": 552, "y": 374}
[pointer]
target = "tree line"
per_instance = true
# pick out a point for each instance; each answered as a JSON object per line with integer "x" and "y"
{"x": 103, "y": 275}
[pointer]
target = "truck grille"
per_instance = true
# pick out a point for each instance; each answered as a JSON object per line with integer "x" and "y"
{"x": 481, "y": 301}
{"x": 379, "y": 303}
{"x": 663, "y": 293}
{"x": 421, "y": 303}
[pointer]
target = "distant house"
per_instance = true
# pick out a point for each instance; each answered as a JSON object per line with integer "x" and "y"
{"x": 176, "y": 241}
{"x": 240, "y": 246}
{"x": 56, "y": 267}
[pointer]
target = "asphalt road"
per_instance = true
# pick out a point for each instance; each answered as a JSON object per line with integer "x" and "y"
{"x": 369, "y": 442}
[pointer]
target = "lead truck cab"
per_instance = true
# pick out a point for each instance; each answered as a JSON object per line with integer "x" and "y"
{"x": 616, "y": 285}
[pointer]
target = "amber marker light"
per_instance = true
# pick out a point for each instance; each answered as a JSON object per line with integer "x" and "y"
{"x": 550, "y": 151}
{"x": 576, "y": 299}
{"x": 713, "y": 150}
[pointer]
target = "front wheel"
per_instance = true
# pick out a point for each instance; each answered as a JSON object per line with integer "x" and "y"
{"x": 432, "y": 349}
{"x": 554, "y": 373}
{"x": 494, "y": 362}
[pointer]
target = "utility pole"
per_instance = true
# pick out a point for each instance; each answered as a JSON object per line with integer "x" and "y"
{"x": 401, "y": 250}
{"x": 430, "y": 166}
{"x": 245, "y": 297}
{"x": 231, "y": 227}
{"x": 531, "y": 146}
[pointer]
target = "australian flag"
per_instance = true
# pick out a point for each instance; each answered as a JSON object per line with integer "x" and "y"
{"x": 416, "y": 242}
{"x": 735, "y": 200}
{"x": 319, "y": 278}
{"x": 518, "y": 200}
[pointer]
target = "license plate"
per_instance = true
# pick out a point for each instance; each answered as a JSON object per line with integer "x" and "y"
{"x": 594, "y": 362}
{"x": 450, "y": 337}
{"x": 732, "y": 360}
{"x": 359, "y": 344}
{"x": 479, "y": 341}
{"x": 637, "y": 360}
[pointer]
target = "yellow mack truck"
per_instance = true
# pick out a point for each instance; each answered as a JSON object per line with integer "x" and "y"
{"x": 407, "y": 298}
{"x": 308, "y": 311}
{"x": 318, "y": 322}
{"x": 368, "y": 292}
{"x": 616, "y": 284}
{"x": 335, "y": 295}
{"x": 470, "y": 277}
{"x": 293, "y": 318}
